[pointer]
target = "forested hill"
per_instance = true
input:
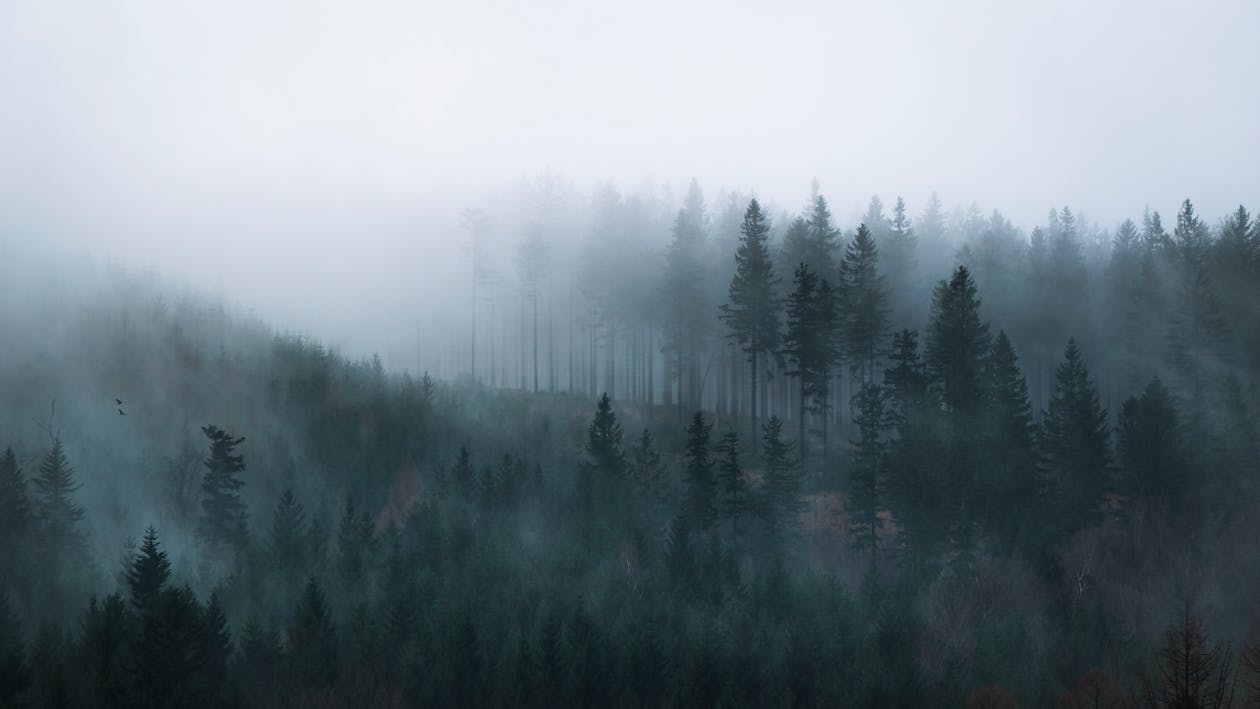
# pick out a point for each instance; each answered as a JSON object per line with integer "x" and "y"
{"x": 873, "y": 509}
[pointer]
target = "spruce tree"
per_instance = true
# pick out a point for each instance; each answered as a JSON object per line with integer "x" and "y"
{"x": 1075, "y": 444}
{"x": 15, "y": 515}
{"x": 56, "y": 515}
{"x": 898, "y": 249}
{"x": 699, "y": 506}
{"x": 148, "y": 572}
{"x": 781, "y": 503}
{"x": 647, "y": 468}
{"x": 864, "y": 292}
{"x": 106, "y": 631}
{"x": 957, "y": 342}
{"x": 1007, "y": 481}
{"x": 288, "y": 535}
{"x": 311, "y": 650}
{"x": 462, "y": 473}
{"x": 14, "y": 672}
{"x": 752, "y": 312}
{"x": 222, "y": 511}
{"x": 822, "y": 239}
{"x": 1150, "y": 451}
{"x": 686, "y": 309}
{"x": 866, "y": 472}
{"x": 734, "y": 500}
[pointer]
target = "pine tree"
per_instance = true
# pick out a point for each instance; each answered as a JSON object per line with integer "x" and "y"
{"x": 462, "y": 473}
{"x": 734, "y": 501}
{"x": 686, "y": 310}
{"x": 1075, "y": 445}
{"x": 355, "y": 539}
{"x": 58, "y": 536}
{"x": 148, "y": 572}
{"x": 957, "y": 342}
{"x": 604, "y": 454}
{"x": 700, "y": 510}
{"x": 531, "y": 259}
{"x": 312, "y": 643}
{"x": 214, "y": 651}
{"x": 647, "y": 469}
{"x": 222, "y": 511}
{"x": 106, "y": 632}
{"x": 865, "y": 496}
{"x": 781, "y": 503}
{"x": 288, "y": 535}
{"x": 752, "y": 313}
{"x": 1007, "y": 483}
{"x": 811, "y": 346}
{"x": 1152, "y": 458}
{"x": 864, "y": 292}
{"x": 823, "y": 239}
{"x": 898, "y": 249}
{"x": 15, "y": 515}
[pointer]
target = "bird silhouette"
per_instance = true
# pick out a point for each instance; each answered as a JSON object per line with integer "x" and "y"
{"x": 120, "y": 413}
{"x": 118, "y": 401}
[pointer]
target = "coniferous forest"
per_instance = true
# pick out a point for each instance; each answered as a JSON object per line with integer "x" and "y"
{"x": 670, "y": 453}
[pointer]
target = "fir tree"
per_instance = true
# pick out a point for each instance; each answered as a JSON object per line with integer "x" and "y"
{"x": 148, "y": 572}
{"x": 699, "y": 509}
{"x": 311, "y": 650}
{"x": 288, "y": 535}
{"x": 866, "y": 475}
{"x": 56, "y": 515}
{"x": 957, "y": 342}
{"x": 1075, "y": 445}
{"x": 1152, "y": 458}
{"x": 1007, "y": 483}
{"x": 222, "y": 511}
{"x": 864, "y": 292}
{"x": 752, "y": 313}
{"x": 781, "y": 503}
{"x": 734, "y": 501}
{"x": 14, "y": 672}
{"x": 462, "y": 473}
{"x": 647, "y": 469}
{"x": 15, "y": 515}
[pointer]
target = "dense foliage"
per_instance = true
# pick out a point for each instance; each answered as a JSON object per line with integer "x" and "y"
{"x": 958, "y": 530}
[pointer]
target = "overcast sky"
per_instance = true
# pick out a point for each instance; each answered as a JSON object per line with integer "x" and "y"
{"x": 227, "y": 141}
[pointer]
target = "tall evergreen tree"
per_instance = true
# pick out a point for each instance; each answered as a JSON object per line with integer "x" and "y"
{"x": 1007, "y": 484}
{"x": 752, "y": 312}
{"x": 865, "y": 497}
{"x": 822, "y": 238}
{"x": 288, "y": 535}
{"x": 148, "y": 572}
{"x": 603, "y": 469}
{"x": 1151, "y": 454}
{"x": 957, "y": 342}
{"x": 864, "y": 292}
{"x": 15, "y": 514}
{"x": 781, "y": 503}
{"x": 311, "y": 649}
{"x": 734, "y": 500}
{"x": 699, "y": 506}
{"x": 222, "y": 510}
{"x": 59, "y": 537}
{"x": 646, "y": 467}
{"x": 1075, "y": 444}
{"x": 687, "y": 314}
{"x": 898, "y": 249}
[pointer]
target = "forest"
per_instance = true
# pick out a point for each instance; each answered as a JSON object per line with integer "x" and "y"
{"x": 654, "y": 451}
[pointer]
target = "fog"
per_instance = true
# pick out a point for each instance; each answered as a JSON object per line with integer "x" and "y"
{"x": 310, "y": 164}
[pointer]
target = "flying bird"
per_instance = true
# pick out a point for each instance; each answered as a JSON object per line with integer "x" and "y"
{"x": 120, "y": 413}
{"x": 118, "y": 401}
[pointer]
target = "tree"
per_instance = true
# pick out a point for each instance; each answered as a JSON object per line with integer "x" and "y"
{"x": 1152, "y": 458}
{"x": 56, "y": 515}
{"x": 1193, "y": 672}
{"x": 811, "y": 346}
{"x": 222, "y": 511}
{"x": 898, "y": 248}
{"x": 604, "y": 467}
{"x": 356, "y": 539}
{"x": 14, "y": 673}
{"x": 687, "y": 314}
{"x": 105, "y": 636}
{"x": 1007, "y": 485}
{"x": 822, "y": 238}
{"x": 288, "y": 535}
{"x": 646, "y": 467}
{"x": 148, "y": 572}
{"x": 15, "y": 514}
{"x": 957, "y": 342}
{"x": 734, "y": 502}
{"x": 864, "y": 292}
{"x": 312, "y": 643}
{"x": 531, "y": 259}
{"x": 1075, "y": 445}
{"x": 752, "y": 313}
{"x": 699, "y": 508}
{"x": 462, "y": 473}
{"x": 781, "y": 503}
{"x": 866, "y": 473}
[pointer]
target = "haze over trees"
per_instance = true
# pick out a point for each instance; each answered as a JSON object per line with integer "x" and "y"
{"x": 704, "y": 452}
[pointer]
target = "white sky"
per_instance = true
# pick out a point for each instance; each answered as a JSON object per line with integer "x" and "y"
{"x": 318, "y": 142}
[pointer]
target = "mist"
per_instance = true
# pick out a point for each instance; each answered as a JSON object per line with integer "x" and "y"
{"x": 656, "y": 354}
